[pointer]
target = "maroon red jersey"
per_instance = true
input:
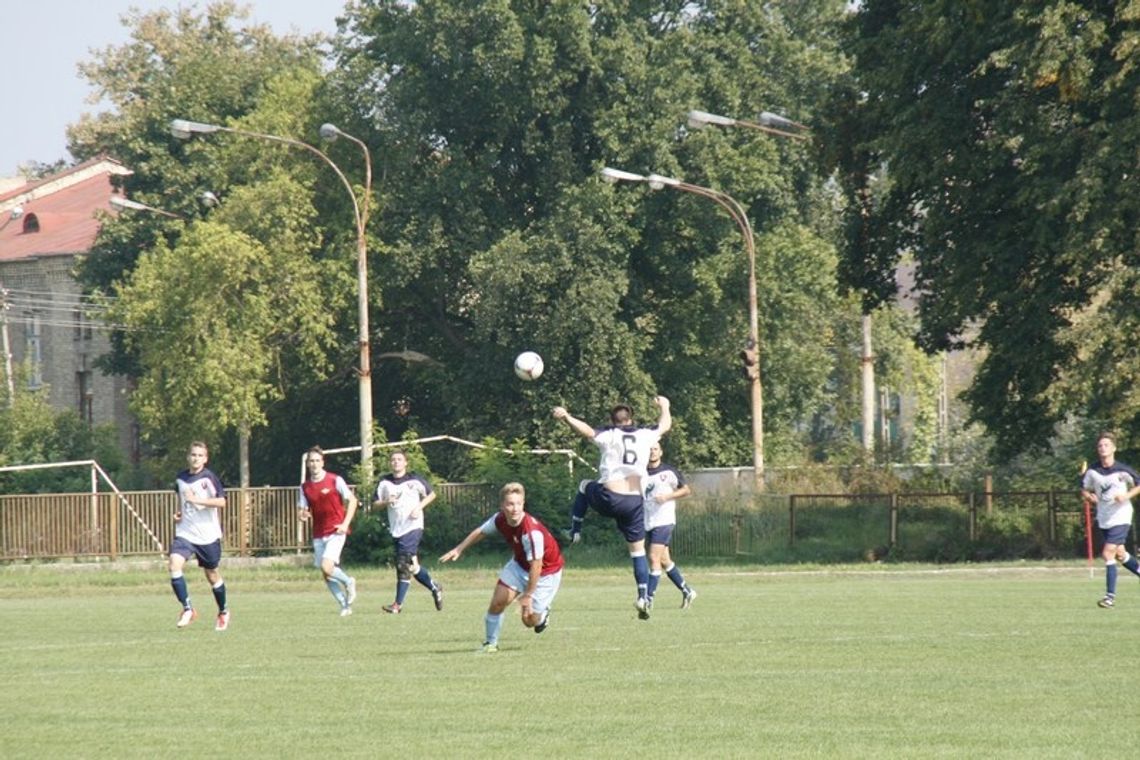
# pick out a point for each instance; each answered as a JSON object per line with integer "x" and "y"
{"x": 325, "y": 500}
{"x": 527, "y": 539}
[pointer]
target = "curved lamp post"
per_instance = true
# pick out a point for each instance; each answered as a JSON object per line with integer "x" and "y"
{"x": 751, "y": 352}
{"x": 184, "y": 129}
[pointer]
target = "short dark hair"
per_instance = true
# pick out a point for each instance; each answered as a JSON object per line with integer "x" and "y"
{"x": 1106, "y": 434}
{"x": 315, "y": 450}
{"x": 621, "y": 414}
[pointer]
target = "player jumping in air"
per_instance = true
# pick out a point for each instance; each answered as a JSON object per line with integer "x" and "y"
{"x": 617, "y": 492}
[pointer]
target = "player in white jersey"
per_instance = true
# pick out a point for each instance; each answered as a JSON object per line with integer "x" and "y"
{"x": 1112, "y": 485}
{"x": 198, "y": 533}
{"x": 617, "y": 492}
{"x": 663, "y": 486}
{"x": 407, "y": 495}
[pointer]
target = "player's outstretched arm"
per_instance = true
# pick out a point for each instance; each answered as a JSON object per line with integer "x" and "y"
{"x": 578, "y": 426}
{"x": 473, "y": 537}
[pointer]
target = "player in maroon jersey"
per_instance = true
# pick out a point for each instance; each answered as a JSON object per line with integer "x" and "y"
{"x": 326, "y": 500}
{"x": 532, "y": 575}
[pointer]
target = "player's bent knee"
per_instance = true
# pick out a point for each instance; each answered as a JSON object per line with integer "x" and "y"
{"x": 404, "y": 564}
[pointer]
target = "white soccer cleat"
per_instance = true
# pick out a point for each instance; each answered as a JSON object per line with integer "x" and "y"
{"x": 345, "y": 611}
{"x": 350, "y": 591}
{"x": 223, "y": 621}
{"x": 188, "y": 616}
{"x": 642, "y": 605}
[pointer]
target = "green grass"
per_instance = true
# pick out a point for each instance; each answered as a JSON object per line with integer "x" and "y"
{"x": 1013, "y": 661}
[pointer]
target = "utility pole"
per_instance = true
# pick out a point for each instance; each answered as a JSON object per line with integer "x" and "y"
{"x": 7, "y": 346}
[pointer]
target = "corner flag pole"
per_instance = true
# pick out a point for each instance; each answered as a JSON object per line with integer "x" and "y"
{"x": 1088, "y": 524}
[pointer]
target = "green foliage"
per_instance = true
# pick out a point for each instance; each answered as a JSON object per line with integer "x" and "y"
{"x": 32, "y": 433}
{"x": 992, "y": 142}
{"x": 550, "y": 483}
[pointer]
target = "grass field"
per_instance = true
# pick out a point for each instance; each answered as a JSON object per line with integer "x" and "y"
{"x": 898, "y": 662}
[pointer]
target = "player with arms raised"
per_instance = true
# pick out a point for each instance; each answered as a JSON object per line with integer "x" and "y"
{"x": 1112, "y": 485}
{"x": 617, "y": 493}
{"x": 532, "y": 575}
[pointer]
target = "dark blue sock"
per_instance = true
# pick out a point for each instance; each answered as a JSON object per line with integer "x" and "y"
{"x": 641, "y": 574}
{"x": 674, "y": 574}
{"x": 220, "y": 595}
{"x": 654, "y": 579}
{"x": 1132, "y": 565}
{"x": 402, "y": 590}
{"x": 578, "y": 512}
{"x": 424, "y": 577}
{"x": 1110, "y": 578}
{"x": 180, "y": 591}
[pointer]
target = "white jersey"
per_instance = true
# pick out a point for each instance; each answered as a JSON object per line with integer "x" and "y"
{"x": 625, "y": 451}
{"x": 199, "y": 525}
{"x": 1106, "y": 483}
{"x": 661, "y": 479}
{"x": 404, "y": 514}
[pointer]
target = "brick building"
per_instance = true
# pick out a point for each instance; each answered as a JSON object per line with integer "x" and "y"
{"x": 51, "y": 331}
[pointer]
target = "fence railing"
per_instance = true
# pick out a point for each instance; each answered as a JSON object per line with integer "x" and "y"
{"x": 927, "y": 526}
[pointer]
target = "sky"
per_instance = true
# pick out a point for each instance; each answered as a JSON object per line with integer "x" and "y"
{"x": 42, "y": 43}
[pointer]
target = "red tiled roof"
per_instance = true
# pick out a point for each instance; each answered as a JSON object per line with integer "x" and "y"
{"x": 64, "y": 205}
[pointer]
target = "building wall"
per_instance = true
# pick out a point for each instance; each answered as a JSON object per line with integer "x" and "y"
{"x": 44, "y": 293}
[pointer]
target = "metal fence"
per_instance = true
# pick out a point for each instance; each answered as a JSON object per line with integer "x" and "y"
{"x": 797, "y": 527}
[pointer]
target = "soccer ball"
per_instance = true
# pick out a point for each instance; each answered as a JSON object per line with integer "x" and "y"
{"x": 528, "y": 365}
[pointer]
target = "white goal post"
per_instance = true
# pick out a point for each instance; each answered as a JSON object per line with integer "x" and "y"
{"x": 96, "y": 473}
{"x": 570, "y": 454}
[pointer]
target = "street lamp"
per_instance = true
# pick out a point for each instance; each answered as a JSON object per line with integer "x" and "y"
{"x": 751, "y": 352}
{"x": 120, "y": 202}
{"x": 766, "y": 122}
{"x": 184, "y": 129}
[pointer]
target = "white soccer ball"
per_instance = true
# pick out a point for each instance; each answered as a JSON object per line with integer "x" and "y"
{"x": 528, "y": 365}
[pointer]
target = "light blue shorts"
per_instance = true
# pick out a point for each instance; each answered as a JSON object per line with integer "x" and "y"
{"x": 515, "y": 578}
{"x": 328, "y": 547}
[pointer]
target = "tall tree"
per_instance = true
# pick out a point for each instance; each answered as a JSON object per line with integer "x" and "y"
{"x": 496, "y": 118}
{"x": 1002, "y": 136}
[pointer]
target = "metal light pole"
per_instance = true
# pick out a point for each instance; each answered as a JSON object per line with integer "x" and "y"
{"x": 183, "y": 129}
{"x": 767, "y": 122}
{"x": 751, "y": 352}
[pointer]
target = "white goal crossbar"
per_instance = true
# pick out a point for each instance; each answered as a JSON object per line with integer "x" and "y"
{"x": 96, "y": 473}
{"x": 570, "y": 454}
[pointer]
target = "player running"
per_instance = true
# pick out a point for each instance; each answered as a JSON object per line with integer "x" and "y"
{"x": 407, "y": 495}
{"x": 663, "y": 486}
{"x": 532, "y": 575}
{"x": 1111, "y": 485}
{"x": 617, "y": 492}
{"x": 326, "y": 499}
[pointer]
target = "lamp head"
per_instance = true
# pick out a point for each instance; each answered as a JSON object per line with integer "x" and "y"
{"x": 657, "y": 181}
{"x": 209, "y": 200}
{"x": 329, "y": 132}
{"x": 612, "y": 175}
{"x": 701, "y": 119}
{"x": 183, "y": 128}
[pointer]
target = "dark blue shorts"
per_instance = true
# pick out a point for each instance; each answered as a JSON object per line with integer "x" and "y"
{"x": 1117, "y": 534}
{"x": 662, "y": 534}
{"x": 209, "y": 556}
{"x": 409, "y": 543}
{"x": 627, "y": 510}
